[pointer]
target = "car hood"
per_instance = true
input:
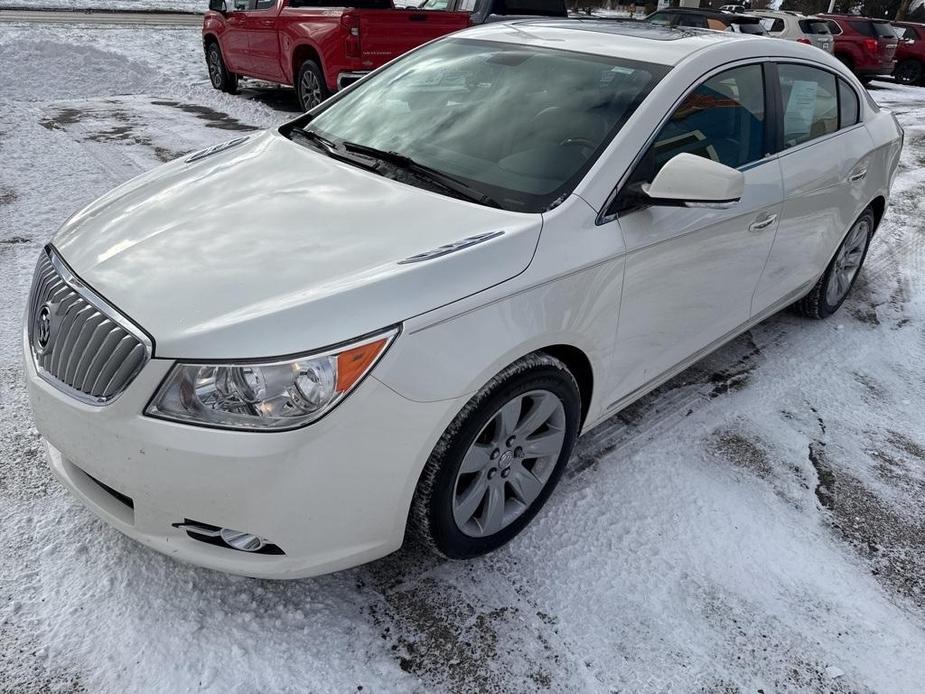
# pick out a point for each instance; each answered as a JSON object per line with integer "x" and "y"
{"x": 269, "y": 248}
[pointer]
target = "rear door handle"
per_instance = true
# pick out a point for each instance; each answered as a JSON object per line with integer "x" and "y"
{"x": 762, "y": 222}
{"x": 857, "y": 175}
{"x": 418, "y": 18}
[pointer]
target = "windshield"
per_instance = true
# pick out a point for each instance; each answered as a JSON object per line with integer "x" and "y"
{"x": 519, "y": 124}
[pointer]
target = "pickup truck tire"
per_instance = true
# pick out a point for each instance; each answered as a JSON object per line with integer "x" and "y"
{"x": 310, "y": 86}
{"x": 221, "y": 78}
{"x": 908, "y": 71}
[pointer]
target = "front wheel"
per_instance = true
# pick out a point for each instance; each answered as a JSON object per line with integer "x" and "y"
{"x": 310, "y": 85}
{"x": 832, "y": 288}
{"x": 221, "y": 78}
{"x": 499, "y": 460}
{"x": 908, "y": 72}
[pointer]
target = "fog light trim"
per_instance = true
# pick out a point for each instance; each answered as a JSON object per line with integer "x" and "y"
{"x": 228, "y": 538}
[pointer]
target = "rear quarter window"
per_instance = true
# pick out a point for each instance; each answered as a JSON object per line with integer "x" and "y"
{"x": 849, "y": 107}
{"x": 833, "y": 27}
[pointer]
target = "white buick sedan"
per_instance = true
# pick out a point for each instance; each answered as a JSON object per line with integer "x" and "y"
{"x": 395, "y": 315}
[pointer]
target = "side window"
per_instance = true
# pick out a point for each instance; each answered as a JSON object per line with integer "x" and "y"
{"x": 849, "y": 106}
{"x": 265, "y": 4}
{"x": 810, "y": 103}
{"x": 243, "y": 5}
{"x": 722, "y": 120}
{"x": 833, "y": 27}
{"x": 686, "y": 20}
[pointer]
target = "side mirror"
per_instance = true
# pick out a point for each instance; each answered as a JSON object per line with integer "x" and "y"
{"x": 218, "y": 6}
{"x": 687, "y": 179}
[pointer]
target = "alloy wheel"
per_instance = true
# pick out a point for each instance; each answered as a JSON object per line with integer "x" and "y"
{"x": 310, "y": 90}
{"x": 215, "y": 68}
{"x": 847, "y": 262}
{"x": 509, "y": 463}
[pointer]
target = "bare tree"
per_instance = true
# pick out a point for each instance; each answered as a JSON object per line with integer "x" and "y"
{"x": 903, "y": 10}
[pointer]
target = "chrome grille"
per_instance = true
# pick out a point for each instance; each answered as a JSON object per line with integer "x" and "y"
{"x": 80, "y": 343}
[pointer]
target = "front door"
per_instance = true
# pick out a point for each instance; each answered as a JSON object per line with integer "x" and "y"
{"x": 234, "y": 42}
{"x": 691, "y": 271}
{"x": 263, "y": 40}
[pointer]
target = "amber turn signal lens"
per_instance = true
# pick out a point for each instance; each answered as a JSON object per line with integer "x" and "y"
{"x": 352, "y": 364}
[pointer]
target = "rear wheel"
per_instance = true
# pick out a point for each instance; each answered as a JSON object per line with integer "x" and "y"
{"x": 908, "y": 72}
{"x": 499, "y": 460}
{"x": 221, "y": 78}
{"x": 832, "y": 288}
{"x": 310, "y": 86}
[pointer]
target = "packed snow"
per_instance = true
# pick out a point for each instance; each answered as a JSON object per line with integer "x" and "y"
{"x": 757, "y": 524}
{"x": 146, "y": 5}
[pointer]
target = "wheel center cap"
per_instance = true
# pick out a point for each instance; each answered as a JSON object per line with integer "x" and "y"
{"x": 505, "y": 459}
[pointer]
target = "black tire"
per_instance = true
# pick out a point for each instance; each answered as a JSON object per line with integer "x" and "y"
{"x": 817, "y": 304}
{"x": 221, "y": 78}
{"x": 431, "y": 519}
{"x": 908, "y": 72}
{"x": 310, "y": 86}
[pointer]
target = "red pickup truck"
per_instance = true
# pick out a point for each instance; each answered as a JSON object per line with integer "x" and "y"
{"x": 320, "y": 46}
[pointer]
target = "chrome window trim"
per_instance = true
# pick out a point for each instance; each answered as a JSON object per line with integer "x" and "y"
{"x": 604, "y": 218}
{"x": 100, "y": 304}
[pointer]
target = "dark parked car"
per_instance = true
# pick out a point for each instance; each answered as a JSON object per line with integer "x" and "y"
{"x": 867, "y": 46}
{"x": 702, "y": 18}
{"x": 910, "y": 53}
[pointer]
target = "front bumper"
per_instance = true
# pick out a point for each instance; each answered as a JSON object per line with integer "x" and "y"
{"x": 332, "y": 495}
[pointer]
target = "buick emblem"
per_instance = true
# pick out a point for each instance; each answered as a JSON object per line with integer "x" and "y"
{"x": 43, "y": 328}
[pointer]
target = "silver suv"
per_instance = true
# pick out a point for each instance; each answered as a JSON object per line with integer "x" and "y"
{"x": 797, "y": 27}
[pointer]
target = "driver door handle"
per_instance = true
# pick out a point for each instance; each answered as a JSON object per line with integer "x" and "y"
{"x": 857, "y": 175}
{"x": 763, "y": 222}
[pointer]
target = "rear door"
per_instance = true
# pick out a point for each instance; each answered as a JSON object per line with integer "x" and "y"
{"x": 263, "y": 39}
{"x": 824, "y": 162}
{"x": 387, "y": 34}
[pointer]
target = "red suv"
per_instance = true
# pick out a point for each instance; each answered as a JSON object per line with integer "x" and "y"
{"x": 910, "y": 54}
{"x": 867, "y": 46}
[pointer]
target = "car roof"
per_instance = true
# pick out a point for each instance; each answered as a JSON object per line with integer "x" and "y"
{"x": 637, "y": 40}
{"x": 853, "y": 17}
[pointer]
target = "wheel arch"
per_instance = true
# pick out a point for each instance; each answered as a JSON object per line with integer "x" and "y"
{"x": 580, "y": 366}
{"x": 208, "y": 40}
{"x": 301, "y": 53}
{"x": 878, "y": 204}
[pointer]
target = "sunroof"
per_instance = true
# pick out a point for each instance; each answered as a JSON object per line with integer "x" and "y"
{"x": 621, "y": 27}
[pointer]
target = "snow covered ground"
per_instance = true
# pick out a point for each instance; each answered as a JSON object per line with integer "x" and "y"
{"x": 162, "y": 5}
{"x": 757, "y": 524}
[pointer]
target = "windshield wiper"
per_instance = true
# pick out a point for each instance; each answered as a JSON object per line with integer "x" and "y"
{"x": 329, "y": 148}
{"x": 405, "y": 162}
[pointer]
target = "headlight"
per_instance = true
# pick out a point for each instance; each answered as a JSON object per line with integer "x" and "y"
{"x": 271, "y": 395}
